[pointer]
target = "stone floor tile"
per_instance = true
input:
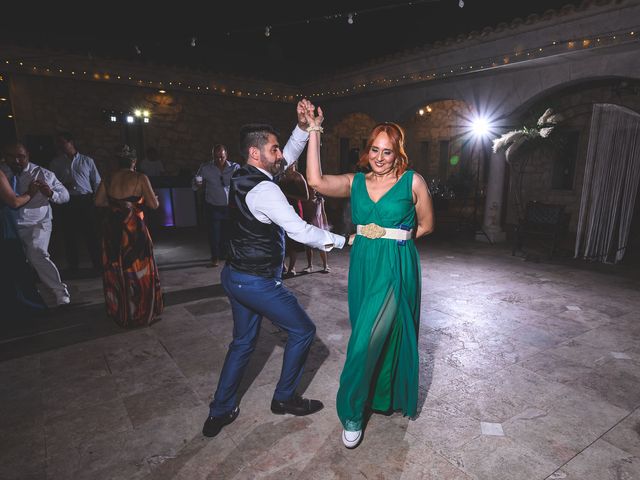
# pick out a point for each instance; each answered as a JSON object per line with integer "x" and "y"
{"x": 65, "y": 432}
{"x": 76, "y": 393}
{"x": 610, "y": 336}
{"x": 550, "y": 434}
{"x": 439, "y": 378}
{"x": 147, "y": 375}
{"x": 626, "y": 434}
{"x": 536, "y": 336}
{"x": 486, "y": 402}
{"x": 23, "y": 452}
{"x": 500, "y": 458}
{"x": 601, "y": 461}
{"x": 582, "y": 353}
{"x": 160, "y": 402}
{"x": 442, "y": 427}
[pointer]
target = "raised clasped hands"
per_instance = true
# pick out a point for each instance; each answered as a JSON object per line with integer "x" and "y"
{"x": 312, "y": 119}
{"x": 301, "y": 111}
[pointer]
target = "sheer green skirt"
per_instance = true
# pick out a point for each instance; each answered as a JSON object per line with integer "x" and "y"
{"x": 381, "y": 368}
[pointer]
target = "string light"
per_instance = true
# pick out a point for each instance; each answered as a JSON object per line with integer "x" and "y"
{"x": 350, "y": 20}
{"x": 461, "y": 4}
{"x": 267, "y": 31}
{"x": 521, "y": 54}
{"x": 193, "y": 41}
{"x": 137, "y": 49}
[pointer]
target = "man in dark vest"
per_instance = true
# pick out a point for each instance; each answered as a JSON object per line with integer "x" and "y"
{"x": 252, "y": 277}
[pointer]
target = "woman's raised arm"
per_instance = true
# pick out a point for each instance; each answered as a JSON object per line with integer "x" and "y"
{"x": 330, "y": 185}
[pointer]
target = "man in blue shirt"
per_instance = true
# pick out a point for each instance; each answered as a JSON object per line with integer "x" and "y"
{"x": 79, "y": 175}
{"x": 215, "y": 176}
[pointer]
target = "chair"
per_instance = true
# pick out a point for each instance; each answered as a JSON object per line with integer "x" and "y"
{"x": 544, "y": 221}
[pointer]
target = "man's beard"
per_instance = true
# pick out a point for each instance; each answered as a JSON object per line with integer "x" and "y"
{"x": 278, "y": 167}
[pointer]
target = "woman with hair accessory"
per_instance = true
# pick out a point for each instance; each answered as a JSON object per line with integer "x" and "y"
{"x": 391, "y": 207}
{"x": 130, "y": 275}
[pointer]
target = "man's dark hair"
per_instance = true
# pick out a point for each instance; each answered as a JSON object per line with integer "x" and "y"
{"x": 254, "y": 135}
{"x": 218, "y": 146}
{"x": 66, "y": 135}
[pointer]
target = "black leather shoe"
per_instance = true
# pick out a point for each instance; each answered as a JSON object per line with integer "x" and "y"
{"x": 296, "y": 405}
{"x": 213, "y": 425}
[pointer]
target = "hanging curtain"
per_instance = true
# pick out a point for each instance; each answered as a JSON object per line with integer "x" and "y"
{"x": 610, "y": 187}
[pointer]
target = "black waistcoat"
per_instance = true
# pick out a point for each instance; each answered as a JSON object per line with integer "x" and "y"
{"x": 254, "y": 247}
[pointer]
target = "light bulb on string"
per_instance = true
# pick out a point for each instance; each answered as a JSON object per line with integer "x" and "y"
{"x": 193, "y": 41}
{"x": 350, "y": 19}
{"x": 137, "y": 49}
{"x": 267, "y": 30}
{"x": 461, "y": 3}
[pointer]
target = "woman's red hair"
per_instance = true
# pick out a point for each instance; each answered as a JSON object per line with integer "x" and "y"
{"x": 396, "y": 135}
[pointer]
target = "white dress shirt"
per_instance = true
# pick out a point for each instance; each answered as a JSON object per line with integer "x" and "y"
{"x": 38, "y": 209}
{"x": 268, "y": 204}
{"x": 79, "y": 174}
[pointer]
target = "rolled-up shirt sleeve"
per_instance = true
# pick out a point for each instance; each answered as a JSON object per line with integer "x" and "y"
{"x": 269, "y": 205}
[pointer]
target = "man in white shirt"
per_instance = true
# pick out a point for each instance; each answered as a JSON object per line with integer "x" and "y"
{"x": 79, "y": 175}
{"x": 252, "y": 278}
{"x": 34, "y": 218}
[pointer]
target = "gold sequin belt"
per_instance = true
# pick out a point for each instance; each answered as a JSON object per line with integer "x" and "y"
{"x": 376, "y": 231}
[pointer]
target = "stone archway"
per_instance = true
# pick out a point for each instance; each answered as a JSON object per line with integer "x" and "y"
{"x": 343, "y": 139}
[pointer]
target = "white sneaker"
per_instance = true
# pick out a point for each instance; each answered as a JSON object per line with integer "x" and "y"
{"x": 308, "y": 269}
{"x": 351, "y": 439}
{"x": 61, "y": 302}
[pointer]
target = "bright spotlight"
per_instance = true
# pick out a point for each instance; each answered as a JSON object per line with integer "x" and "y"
{"x": 480, "y": 127}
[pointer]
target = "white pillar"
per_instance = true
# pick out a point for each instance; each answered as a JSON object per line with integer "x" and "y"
{"x": 491, "y": 229}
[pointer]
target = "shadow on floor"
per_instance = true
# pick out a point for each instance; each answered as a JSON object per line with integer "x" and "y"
{"x": 29, "y": 333}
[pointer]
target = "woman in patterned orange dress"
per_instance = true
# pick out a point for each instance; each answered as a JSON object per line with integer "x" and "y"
{"x": 130, "y": 276}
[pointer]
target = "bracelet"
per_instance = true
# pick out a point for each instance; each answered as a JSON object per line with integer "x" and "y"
{"x": 315, "y": 128}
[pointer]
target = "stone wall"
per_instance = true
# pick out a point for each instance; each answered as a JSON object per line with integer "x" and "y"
{"x": 536, "y": 163}
{"x": 183, "y": 126}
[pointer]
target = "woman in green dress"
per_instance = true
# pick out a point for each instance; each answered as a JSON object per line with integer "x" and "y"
{"x": 391, "y": 207}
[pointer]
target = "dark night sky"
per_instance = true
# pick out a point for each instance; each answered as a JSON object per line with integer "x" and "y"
{"x": 231, "y": 38}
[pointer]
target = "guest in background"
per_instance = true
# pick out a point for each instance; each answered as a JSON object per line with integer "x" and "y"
{"x": 151, "y": 165}
{"x": 294, "y": 187}
{"x": 215, "y": 176}
{"x": 18, "y": 293}
{"x": 130, "y": 276}
{"x": 34, "y": 218}
{"x": 80, "y": 176}
{"x": 314, "y": 213}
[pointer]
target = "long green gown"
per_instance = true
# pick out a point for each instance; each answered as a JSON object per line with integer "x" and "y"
{"x": 381, "y": 368}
